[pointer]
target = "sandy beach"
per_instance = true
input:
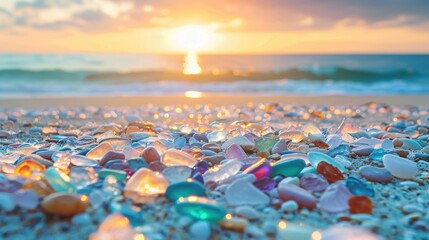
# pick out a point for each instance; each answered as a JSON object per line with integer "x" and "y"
{"x": 214, "y": 99}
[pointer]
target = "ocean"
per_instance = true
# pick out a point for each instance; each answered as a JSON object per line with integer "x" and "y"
{"x": 41, "y": 75}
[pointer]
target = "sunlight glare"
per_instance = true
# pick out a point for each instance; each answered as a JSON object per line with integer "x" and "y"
{"x": 192, "y": 38}
{"x": 191, "y": 66}
{"x": 193, "y": 94}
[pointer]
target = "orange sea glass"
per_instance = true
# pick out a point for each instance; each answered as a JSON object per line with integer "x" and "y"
{"x": 27, "y": 167}
{"x": 331, "y": 173}
{"x": 360, "y": 204}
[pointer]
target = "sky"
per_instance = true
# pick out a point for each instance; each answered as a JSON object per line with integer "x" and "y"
{"x": 228, "y": 26}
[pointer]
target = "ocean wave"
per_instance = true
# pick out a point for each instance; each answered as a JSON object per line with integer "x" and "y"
{"x": 296, "y": 73}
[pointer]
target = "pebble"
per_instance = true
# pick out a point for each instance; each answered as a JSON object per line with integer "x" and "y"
{"x": 297, "y": 194}
{"x": 247, "y": 212}
{"x": 289, "y": 206}
{"x": 313, "y": 182}
{"x": 200, "y": 230}
{"x": 173, "y": 157}
{"x": 288, "y": 168}
{"x": 375, "y": 174}
{"x": 145, "y": 185}
{"x": 64, "y": 204}
{"x": 335, "y": 198}
{"x": 234, "y": 224}
{"x": 200, "y": 208}
{"x": 242, "y": 192}
{"x": 7, "y": 203}
{"x": 400, "y": 167}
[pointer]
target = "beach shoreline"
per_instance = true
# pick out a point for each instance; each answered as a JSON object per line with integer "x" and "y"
{"x": 209, "y": 98}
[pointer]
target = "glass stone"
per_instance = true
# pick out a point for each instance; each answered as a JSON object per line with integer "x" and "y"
{"x": 59, "y": 181}
{"x": 288, "y": 168}
{"x": 359, "y": 187}
{"x": 118, "y": 174}
{"x": 200, "y": 208}
{"x": 360, "y": 204}
{"x": 331, "y": 173}
{"x": 260, "y": 169}
{"x": 27, "y": 167}
{"x": 184, "y": 189}
{"x": 316, "y": 157}
{"x": 265, "y": 184}
{"x": 173, "y": 157}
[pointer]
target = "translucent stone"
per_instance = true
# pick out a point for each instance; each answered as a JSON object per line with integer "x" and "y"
{"x": 59, "y": 181}
{"x": 118, "y": 174}
{"x": 360, "y": 204}
{"x": 346, "y": 127}
{"x": 348, "y": 233}
{"x": 331, "y": 173}
{"x": 265, "y": 184}
{"x": 288, "y": 168}
{"x": 60, "y": 155}
{"x": 235, "y": 151}
{"x": 335, "y": 198}
{"x": 242, "y": 192}
{"x": 116, "y": 227}
{"x": 242, "y": 141}
{"x": 301, "y": 196}
{"x": 130, "y": 152}
{"x": 111, "y": 186}
{"x": 410, "y": 144}
{"x": 12, "y": 158}
{"x": 179, "y": 142}
{"x": 82, "y": 176}
{"x": 173, "y": 157}
{"x": 200, "y": 208}
{"x": 150, "y": 155}
{"x": 260, "y": 169}
{"x": 280, "y": 146}
{"x": 25, "y": 150}
{"x": 222, "y": 171}
{"x": 99, "y": 151}
{"x": 64, "y": 204}
{"x": 97, "y": 198}
{"x": 359, "y": 187}
{"x": 82, "y": 161}
{"x": 295, "y": 136}
{"x": 287, "y": 231}
{"x": 377, "y": 154}
{"x": 265, "y": 144}
{"x": 216, "y": 136}
{"x": 7, "y": 203}
{"x": 294, "y": 155}
{"x": 177, "y": 173}
{"x": 400, "y": 167}
{"x": 184, "y": 189}
{"x": 145, "y": 185}
{"x": 28, "y": 167}
{"x": 334, "y": 141}
{"x": 316, "y": 157}
{"x": 313, "y": 182}
{"x": 310, "y": 128}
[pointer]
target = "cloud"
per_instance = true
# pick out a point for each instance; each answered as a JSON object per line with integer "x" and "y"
{"x": 251, "y": 15}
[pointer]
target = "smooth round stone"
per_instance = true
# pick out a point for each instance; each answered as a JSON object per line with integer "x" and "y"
{"x": 200, "y": 208}
{"x": 362, "y": 151}
{"x": 242, "y": 192}
{"x": 316, "y": 157}
{"x": 348, "y": 233}
{"x": 177, "y": 173}
{"x": 335, "y": 198}
{"x": 99, "y": 151}
{"x": 115, "y": 227}
{"x": 64, "y": 204}
{"x": 265, "y": 184}
{"x": 216, "y": 136}
{"x": 59, "y": 181}
{"x": 265, "y": 144}
{"x": 118, "y": 174}
{"x": 151, "y": 155}
{"x": 145, "y": 185}
{"x": 377, "y": 154}
{"x": 400, "y": 167}
{"x": 26, "y": 199}
{"x": 313, "y": 182}
{"x": 289, "y": 206}
{"x": 410, "y": 144}
{"x": 173, "y": 157}
{"x": 375, "y": 174}
{"x": 6, "y": 202}
{"x": 234, "y": 224}
{"x": 235, "y": 151}
{"x": 247, "y": 212}
{"x": 289, "y": 231}
{"x": 292, "y": 192}
{"x": 111, "y": 155}
{"x": 288, "y": 168}
{"x": 359, "y": 187}
{"x": 82, "y": 161}
{"x": 200, "y": 230}
{"x": 242, "y": 141}
{"x": 184, "y": 189}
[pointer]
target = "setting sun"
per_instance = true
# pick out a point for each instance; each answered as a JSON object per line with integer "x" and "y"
{"x": 192, "y": 38}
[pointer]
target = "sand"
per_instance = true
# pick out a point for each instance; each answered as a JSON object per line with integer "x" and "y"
{"x": 215, "y": 99}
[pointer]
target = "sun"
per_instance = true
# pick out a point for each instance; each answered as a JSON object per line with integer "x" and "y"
{"x": 192, "y": 38}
